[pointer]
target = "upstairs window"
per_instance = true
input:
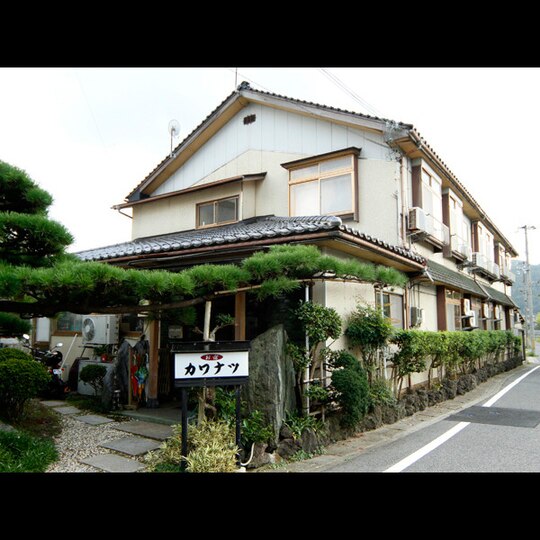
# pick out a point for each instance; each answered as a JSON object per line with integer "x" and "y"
{"x": 217, "y": 212}
{"x": 432, "y": 196}
{"x": 485, "y": 242}
{"x": 323, "y": 185}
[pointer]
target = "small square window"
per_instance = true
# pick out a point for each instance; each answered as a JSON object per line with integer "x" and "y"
{"x": 206, "y": 214}
{"x": 217, "y": 212}
{"x": 226, "y": 210}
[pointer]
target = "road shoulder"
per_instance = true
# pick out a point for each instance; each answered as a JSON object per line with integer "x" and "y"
{"x": 342, "y": 451}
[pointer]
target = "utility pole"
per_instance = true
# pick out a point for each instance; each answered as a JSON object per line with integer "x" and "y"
{"x": 528, "y": 290}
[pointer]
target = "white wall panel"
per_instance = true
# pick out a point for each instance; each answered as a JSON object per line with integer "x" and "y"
{"x": 339, "y": 137}
{"x": 294, "y": 133}
{"x": 309, "y": 136}
{"x": 274, "y": 130}
{"x": 324, "y": 137}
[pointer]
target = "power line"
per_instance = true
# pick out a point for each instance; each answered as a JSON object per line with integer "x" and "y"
{"x": 236, "y": 73}
{"x": 91, "y": 112}
{"x": 338, "y": 82}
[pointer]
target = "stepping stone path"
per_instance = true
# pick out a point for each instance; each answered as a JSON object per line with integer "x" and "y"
{"x": 67, "y": 410}
{"x": 93, "y": 419}
{"x": 113, "y": 463}
{"x": 133, "y": 446}
{"x": 147, "y": 429}
{"x": 148, "y": 436}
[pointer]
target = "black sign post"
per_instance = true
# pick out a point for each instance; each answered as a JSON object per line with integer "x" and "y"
{"x": 210, "y": 363}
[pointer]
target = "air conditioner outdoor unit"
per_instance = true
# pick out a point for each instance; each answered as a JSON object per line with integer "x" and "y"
{"x": 417, "y": 316}
{"x": 485, "y": 310}
{"x": 497, "y": 312}
{"x": 417, "y": 219}
{"x": 470, "y": 322}
{"x": 100, "y": 329}
{"x": 466, "y": 306}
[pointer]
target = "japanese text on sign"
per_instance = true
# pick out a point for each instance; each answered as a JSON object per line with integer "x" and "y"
{"x": 210, "y": 365}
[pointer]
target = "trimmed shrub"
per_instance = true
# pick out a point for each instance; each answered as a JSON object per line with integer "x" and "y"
{"x": 411, "y": 355}
{"x": 93, "y": 374}
{"x": 12, "y": 325}
{"x": 350, "y": 387}
{"x": 8, "y": 352}
{"x": 20, "y": 380}
{"x": 369, "y": 330}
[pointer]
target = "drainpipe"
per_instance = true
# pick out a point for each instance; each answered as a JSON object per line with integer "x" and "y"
{"x": 403, "y": 182}
{"x": 306, "y": 372}
{"x": 381, "y": 302}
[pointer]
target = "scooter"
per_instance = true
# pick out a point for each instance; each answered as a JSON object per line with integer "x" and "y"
{"x": 52, "y": 359}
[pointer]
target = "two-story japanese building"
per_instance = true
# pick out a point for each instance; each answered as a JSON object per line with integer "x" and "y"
{"x": 263, "y": 169}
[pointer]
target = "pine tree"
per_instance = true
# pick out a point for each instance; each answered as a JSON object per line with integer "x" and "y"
{"x": 28, "y": 237}
{"x": 39, "y": 279}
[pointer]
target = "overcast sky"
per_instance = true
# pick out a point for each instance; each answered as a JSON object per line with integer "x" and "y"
{"x": 89, "y": 135}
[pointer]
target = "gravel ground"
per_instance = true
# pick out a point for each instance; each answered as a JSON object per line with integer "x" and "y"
{"x": 80, "y": 441}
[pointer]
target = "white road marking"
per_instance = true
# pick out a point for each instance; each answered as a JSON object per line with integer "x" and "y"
{"x": 500, "y": 394}
{"x": 415, "y": 456}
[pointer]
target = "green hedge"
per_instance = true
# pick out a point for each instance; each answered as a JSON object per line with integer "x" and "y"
{"x": 453, "y": 351}
{"x": 10, "y": 352}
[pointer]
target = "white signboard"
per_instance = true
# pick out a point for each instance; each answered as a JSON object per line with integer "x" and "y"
{"x": 210, "y": 365}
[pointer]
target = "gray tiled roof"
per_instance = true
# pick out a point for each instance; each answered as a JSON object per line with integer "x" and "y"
{"x": 442, "y": 274}
{"x": 499, "y": 297}
{"x": 381, "y": 243}
{"x": 247, "y": 230}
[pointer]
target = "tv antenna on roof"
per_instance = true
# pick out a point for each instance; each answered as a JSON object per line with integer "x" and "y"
{"x": 174, "y": 131}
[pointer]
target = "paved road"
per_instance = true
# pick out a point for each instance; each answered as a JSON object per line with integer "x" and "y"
{"x": 494, "y": 429}
{"x": 469, "y": 443}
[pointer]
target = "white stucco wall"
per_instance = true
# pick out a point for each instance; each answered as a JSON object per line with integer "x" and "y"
{"x": 379, "y": 199}
{"x": 179, "y": 213}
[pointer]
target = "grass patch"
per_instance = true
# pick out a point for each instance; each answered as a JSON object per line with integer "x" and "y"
{"x": 23, "y": 452}
{"x": 30, "y": 447}
{"x": 39, "y": 420}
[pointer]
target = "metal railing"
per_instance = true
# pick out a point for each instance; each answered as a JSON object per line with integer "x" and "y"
{"x": 421, "y": 221}
{"x": 481, "y": 261}
{"x": 461, "y": 246}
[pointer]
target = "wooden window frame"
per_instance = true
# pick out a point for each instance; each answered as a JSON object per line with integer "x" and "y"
{"x": 430, "y": 185}
{"x": 351, "y": 170}
{"x": 454, "y": 298}
{"x": 214, "y": 202}
{"x": 396, "y": 323}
